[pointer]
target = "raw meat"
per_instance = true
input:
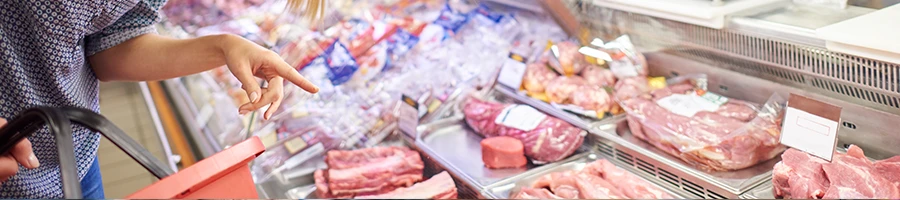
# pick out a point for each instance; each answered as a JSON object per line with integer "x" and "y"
{"x": 535, "y": 193}
{"x": 441, "y": 186}
{"x": 630, "y": 185}
{"x": 551, "y": 140}
{"x": 848, "y": 176}
{"x": 503, "y": 152}
{"x": 368, "y": 171}
{"x": 537, "y": 77}
{"x": 598, "y": 180}
{"x": 730, "y": 138}
{"x": 561, "y": 89}
{"x": 592, "y": 98}
{"x": 571, "y": 61}
{"x": 631, "y": 87}
{"x": 598, "y": 76}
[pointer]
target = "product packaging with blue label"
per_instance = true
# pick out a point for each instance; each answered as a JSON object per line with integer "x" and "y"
{"x": 341, "y": 65}
{"x": 451, "y": 19}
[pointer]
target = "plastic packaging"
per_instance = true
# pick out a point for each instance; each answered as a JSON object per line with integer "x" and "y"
{"x": 709, "y": 131}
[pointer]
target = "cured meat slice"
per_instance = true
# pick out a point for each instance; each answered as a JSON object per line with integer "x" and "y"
{"x": 503, "y": 152}
{"x": 441, "y": 186}
{"x": 350, "y": 159}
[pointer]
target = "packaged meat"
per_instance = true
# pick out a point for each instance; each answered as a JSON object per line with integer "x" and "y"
{"x": 597, "y": 180}
{"x": 709, "y": 131}
{"x": 560, "y": 90}
{"x": 546, "y": 139}
{"x": 624, "y": 59}
{"x": 571, "y": 62}
{"x": 849, "y": 175}
{"x": 537, "y": 77}
{"x": 598, "y": 76}
{"x": 441, "y": 186}
{"x": 503, "y": 152}
{"x": 370, "y": 171}
{"x": 593, "y": 98}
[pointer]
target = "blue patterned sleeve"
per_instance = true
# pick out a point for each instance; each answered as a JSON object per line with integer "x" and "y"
{"x": 140, "y": 19}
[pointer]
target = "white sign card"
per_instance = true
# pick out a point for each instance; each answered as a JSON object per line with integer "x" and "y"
{"x": 512, "y": 71}
{"x": 811, "y": 126}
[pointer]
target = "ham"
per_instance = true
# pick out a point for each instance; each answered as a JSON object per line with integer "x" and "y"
{"x": 503, "y": 152}
{"x": 368, "y": 171}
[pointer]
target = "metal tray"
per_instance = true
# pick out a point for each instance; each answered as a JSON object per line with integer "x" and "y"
{"x": 764, "y": 191}
{"x": 288, "y": 188}
{"x": 577, "y": 121}
{"x": 503, "y": 190}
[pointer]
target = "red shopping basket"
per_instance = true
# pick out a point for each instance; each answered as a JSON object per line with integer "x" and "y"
{"x": 223, "y": 175}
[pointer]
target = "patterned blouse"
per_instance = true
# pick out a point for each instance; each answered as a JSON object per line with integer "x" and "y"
{"x": 43, "y": 49}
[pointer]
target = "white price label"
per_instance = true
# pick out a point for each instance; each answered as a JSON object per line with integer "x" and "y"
{"x": 409, "y": 116}
{"x": 521, "y": 117}
{"x": 686, "y": 104}
{"x": 811, "y": 126}
{"x": 512, "y": 71}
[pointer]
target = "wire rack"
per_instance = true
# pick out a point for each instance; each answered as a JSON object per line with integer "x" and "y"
{"x": 851, "y": 78}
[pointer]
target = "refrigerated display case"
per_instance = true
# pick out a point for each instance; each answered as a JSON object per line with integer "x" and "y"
{"x": 748, "y": 50}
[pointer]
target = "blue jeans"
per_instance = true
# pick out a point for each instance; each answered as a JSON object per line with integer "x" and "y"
{"x": 92, "y": 183}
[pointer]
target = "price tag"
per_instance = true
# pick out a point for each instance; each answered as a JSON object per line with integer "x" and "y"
{"x": 512, "y": 71}
{"x": 811, "y": 126}
{"x": 409, "y": 116}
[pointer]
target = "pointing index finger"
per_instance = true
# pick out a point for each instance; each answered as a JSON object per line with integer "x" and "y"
{"x": 290, "y": 74}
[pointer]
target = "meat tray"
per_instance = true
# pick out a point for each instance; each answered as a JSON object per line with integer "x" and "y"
{"x": 451, "y": 143}
{"x": 502, "y": 190}
{"x": 307, "y": 188}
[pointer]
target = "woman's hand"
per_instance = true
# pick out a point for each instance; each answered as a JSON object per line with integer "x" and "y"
{"x": 247, "y": 60}
{"x": 20, "y": 154}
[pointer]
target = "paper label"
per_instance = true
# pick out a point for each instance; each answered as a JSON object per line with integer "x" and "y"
{"x": 520, "y": 117}
{"x": 811, "y": 126}
{"x": 512, "y": 71}
{"x": 686, "y": 104}
{"x": 409, "y": 116}
{"x": 295, "y": 144}
{"x": 714, "y": 98}
{"x": 622, "y": 68}
{"x": 269, "y": 139}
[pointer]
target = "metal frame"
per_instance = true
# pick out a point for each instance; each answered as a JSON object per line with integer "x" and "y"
{"x": 171, "y": 158}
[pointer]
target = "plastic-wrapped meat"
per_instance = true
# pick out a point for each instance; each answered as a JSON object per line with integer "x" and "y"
{"x": 535, "y": 193}
{"x": 849, "y": 175}
{"x": 550, "y": 140}
{"x": 571, "y": 61}
{"x": 561, "y": 89}
{"x": 729, "y": 138}
{"x": 631, "y": 87}
{"x": 592, "y": 98}
{"x": 598, "y": 76}
{"x": 537, "y": 77}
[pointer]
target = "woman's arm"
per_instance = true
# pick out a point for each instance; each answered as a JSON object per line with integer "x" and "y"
{"x": 153, "y": 57}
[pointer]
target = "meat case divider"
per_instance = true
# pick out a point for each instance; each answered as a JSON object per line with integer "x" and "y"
{"x": 504, "y": 189}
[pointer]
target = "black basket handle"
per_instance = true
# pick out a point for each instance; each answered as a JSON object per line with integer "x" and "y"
{"x": 58, "y": 121}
